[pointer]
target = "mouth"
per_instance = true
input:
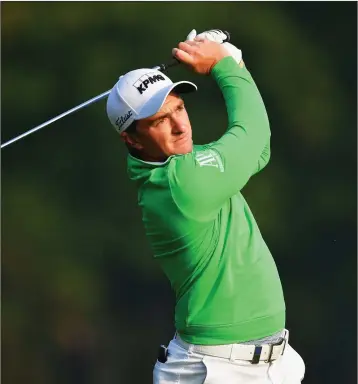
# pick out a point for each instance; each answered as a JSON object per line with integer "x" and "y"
{"x": 182, "y": 138}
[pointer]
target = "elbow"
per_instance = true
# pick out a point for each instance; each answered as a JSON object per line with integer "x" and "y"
{"x": 266, "y": 124}
{"x": 268, "y": 157}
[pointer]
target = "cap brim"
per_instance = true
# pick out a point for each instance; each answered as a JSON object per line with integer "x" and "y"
{"x": 152, "y": 106}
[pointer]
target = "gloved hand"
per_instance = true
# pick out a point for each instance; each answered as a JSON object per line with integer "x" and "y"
{"x": 219, "y": 37}
{"x": 212, "y": 35}
{"x": 200, "y": 55}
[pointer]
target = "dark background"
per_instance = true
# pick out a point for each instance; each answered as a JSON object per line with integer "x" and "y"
{"x": 82, "y": 299}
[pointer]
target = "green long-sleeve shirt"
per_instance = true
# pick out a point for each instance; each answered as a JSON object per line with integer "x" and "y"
{"x": 202, "y": 231}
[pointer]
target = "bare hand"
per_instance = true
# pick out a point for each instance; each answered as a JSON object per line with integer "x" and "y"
{"x": 200, "y": 55}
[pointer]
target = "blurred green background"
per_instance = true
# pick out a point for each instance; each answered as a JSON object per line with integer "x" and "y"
{"x": 82, "y": 299}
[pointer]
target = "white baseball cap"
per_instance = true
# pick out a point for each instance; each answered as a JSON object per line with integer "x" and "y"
{"x": 140, "y": 94}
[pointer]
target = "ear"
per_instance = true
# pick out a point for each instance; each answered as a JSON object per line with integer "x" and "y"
{"x": 131, "y": 140}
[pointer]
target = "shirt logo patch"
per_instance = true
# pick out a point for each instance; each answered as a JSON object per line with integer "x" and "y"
{"x": 209, "y": 158}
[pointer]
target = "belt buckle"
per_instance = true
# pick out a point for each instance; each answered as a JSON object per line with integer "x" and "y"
{"x": 275, "y": 345}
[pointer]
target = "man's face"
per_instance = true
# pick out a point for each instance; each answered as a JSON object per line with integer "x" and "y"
{"x": 166, "y": 133}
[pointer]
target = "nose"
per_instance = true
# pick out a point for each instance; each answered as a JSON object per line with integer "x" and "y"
{"x": 178, "y": 126}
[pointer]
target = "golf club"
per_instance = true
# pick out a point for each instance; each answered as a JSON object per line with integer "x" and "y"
{"x": 161, "y": 67}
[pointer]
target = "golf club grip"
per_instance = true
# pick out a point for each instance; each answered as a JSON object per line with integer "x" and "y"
{"x": 175, "y": 62}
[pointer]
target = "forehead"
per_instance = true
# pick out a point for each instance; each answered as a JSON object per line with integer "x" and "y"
{"x": 172, "y": 101}
{"x": 172, "y": 98}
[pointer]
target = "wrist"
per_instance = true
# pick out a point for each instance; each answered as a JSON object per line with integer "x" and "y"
{"x": 216, "y": 62}
{"x": 225, "y": 63}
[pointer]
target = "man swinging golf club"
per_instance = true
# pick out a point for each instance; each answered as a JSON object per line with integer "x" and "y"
{"x": 230, "y": 310}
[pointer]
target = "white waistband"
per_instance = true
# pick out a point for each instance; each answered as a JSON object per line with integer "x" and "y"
{"x": 265, "y": 352}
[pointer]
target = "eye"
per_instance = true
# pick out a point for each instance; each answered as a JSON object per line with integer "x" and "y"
{"x": 158, "y": 122}
{"x": 181, "y": 107}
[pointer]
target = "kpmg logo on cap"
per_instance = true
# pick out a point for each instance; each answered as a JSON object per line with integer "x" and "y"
{"x": 144, "y": 81}
{"x": 123, "y": 119}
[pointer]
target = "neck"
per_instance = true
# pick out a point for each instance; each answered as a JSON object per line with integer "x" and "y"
{"x": 146, "y": 157}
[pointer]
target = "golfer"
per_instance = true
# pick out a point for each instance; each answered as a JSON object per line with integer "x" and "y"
{"x": 230, "y": 309}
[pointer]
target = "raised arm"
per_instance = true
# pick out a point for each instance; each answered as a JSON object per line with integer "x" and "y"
{"x": 202, "y": 181}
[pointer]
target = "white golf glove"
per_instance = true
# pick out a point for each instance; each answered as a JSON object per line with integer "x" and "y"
{"x": 213, "y": 35}
{"x": 219, "y": 37}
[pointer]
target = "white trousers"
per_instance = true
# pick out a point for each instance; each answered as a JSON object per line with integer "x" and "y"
{"x": 187, "y": 367}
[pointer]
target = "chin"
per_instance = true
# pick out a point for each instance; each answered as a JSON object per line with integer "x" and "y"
{"x": 183, "y": 149}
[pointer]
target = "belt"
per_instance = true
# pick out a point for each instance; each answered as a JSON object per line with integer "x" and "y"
{"x": 252, "y": 353}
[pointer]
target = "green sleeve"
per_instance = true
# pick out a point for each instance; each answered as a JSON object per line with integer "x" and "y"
{"x": 203, "y": 180}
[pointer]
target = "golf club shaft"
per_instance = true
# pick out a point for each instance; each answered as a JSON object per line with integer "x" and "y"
{"x": 93, "y": 100}
{"x": 161, "y": 67}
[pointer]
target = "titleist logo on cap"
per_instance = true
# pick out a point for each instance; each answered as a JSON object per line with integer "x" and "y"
{"x": 122, "y": 119}
{"x": 144, "y": 81}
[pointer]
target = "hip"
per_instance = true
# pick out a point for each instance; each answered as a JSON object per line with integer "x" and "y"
{"x": 231, "y": 363}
